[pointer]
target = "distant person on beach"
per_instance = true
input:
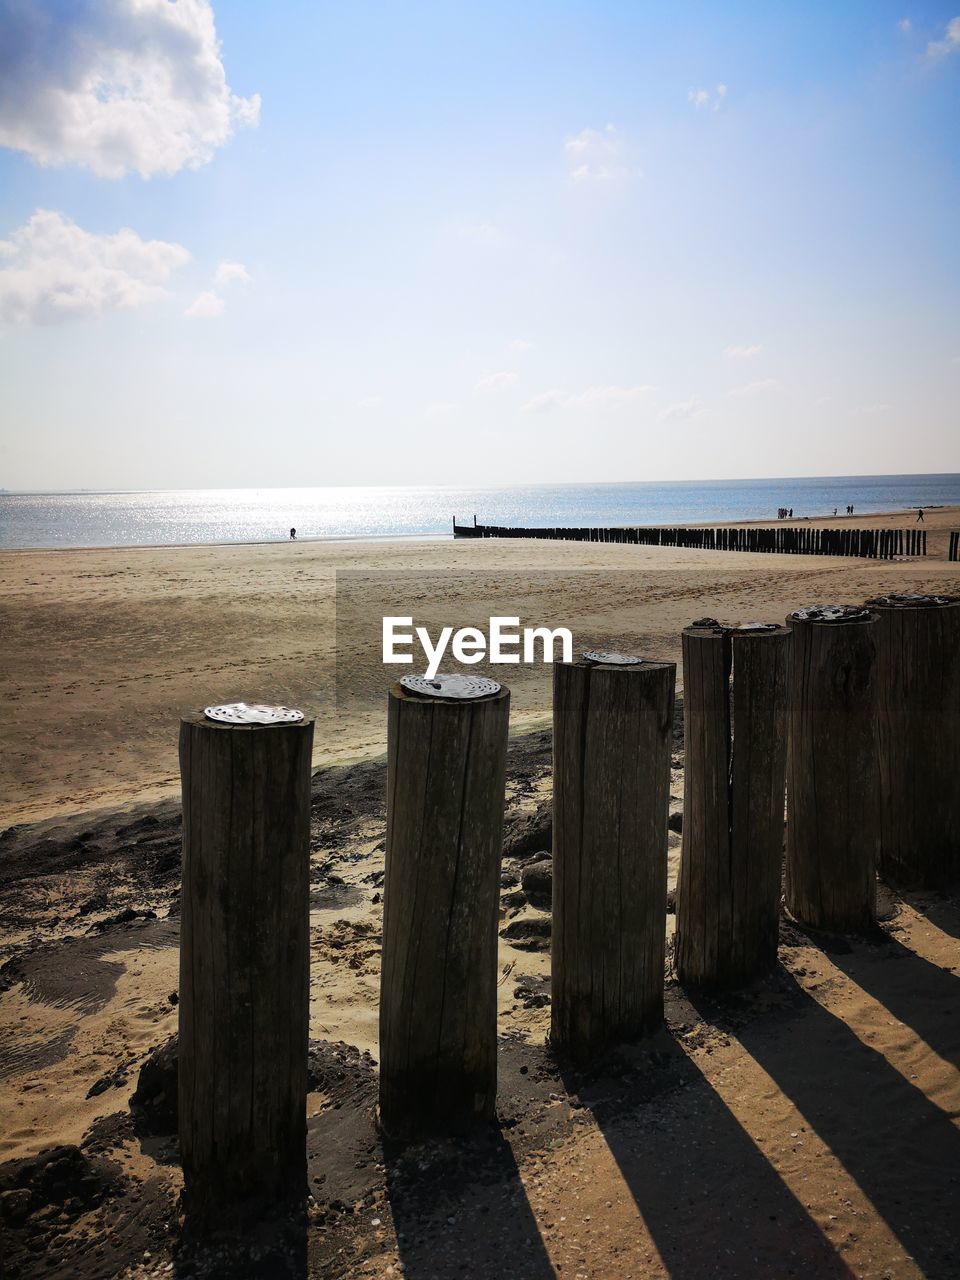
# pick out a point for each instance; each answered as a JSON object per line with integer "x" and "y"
{"x": 293, "y": 535}
{"x": 791, "y": 514}
{"x": 920, "y": 515}
{"x": 835, "y": 510}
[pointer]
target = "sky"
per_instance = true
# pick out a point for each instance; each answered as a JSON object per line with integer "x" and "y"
{"x": 317, "y": 244}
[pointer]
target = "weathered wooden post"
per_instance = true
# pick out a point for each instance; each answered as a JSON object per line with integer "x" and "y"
{"x": 244, "y": 962}
{"x": 919, "y": 707}
{"x": 612, "y": 732}
{"x": 446, "y": 770}
{"x": 728, "y": 897}
{"x": 833, "y": 773}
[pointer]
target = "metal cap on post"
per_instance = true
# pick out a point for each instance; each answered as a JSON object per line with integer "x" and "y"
{"x": 446, "y": 777}
{"x": 612, "y": 729}
{"x": 833, "y": 778}
{"x": 244, "y": 961}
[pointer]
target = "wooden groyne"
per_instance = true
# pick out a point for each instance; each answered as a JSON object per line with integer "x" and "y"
{"x": 728, "y": 892}
{"x": 833, "y": 775}
{"x": 611, "y": 743}
{"x": 954, "y": 549}
{"x": 850, "y": 714}
{"x": 869, "y": 544}
{"x": 244, "y": 968}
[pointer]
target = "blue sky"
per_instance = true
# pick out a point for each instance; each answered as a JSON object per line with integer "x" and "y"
{"x": 508, "y": 242}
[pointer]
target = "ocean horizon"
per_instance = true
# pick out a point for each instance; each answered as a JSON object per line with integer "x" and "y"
{"x": 172, "y": 517}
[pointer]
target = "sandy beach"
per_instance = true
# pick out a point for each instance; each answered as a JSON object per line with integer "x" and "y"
{"x": 806, "y": 1127}
{"x": 104, "y": 649}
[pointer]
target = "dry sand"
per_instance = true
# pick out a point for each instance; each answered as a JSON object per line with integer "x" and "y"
{"x": 805, "y": 1128}
{"x": 102, "y": 650}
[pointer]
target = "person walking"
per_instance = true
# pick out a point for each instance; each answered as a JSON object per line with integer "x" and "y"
{"x": 920, "y": 519}
{"x": 293, "y": 534}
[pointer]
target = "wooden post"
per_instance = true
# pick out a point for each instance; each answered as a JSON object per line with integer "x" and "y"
{"x": 919, "y": 706}
{"x": 446, "y": 770}
{"x": 833, "y": 776}
{"x": 728, "y": 899}
{"x": 244, "y": 968}
{"x": 611, "y": 776}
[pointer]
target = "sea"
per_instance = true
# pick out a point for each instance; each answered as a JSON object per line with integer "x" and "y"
{"x": 172, "y": 517}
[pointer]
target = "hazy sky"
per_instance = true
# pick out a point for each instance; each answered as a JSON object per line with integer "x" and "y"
{"x": 449, "y": 243}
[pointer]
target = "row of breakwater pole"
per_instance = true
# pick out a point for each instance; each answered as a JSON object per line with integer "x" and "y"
{"x": 857, "y": 720}
{"x": 872, "y": 544}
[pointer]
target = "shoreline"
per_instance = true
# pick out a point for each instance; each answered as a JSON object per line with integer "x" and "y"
{"x": 404, "y": 538}
{"x": 104, "y": 649}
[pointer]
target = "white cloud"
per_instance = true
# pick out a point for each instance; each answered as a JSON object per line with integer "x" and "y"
{"x": 870, "y": 409}
{"x": 905, "y": 25}
{"x": 520, "y": 344}
{"x": 950, "y": 42}
{"x": 755, "y": 388}
{"x": 228, "y": 272}
{"x": 370, "y": 402}
{"x": 744, "y": 352}
{"x": 683, "y": 411}
{"x": 496, "y": 382}
{"x": 595, "y": 155}
{"x": 608, "y": 397}
{"x": 116, "y": 85}
{"x": 205, "y": 306}
{"x": 53, "y": 270}
{"x": 545, "y": 402}
{"x": 704, "y": 98}
{"x": 209, "y": 304}
{"x": 600, "y": 397}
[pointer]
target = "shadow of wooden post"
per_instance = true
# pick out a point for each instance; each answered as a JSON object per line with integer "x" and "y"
{"x": 919, "y": 709}
{"x": 446, "y": 772}
{"x": 833, "y": 775}
{"x": 612, "y": 736}
{"x": 244, "y": 969}
{"x": 728, "y": 896}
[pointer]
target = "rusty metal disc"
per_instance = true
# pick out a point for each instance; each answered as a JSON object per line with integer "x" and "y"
{"x": 611, "y": 658}
{"x": 728, "y": 628}
{"x": 831, "y": 613}
{"x": 905, "y": 600}
{"x": 451, "y": 685}
{"x": 252, "y": 713}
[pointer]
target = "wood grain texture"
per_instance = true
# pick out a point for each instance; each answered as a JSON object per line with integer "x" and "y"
{"x": 244, "y": 967}
{"x": 919, "y": 706}
{"x": 611, "y": 759}
{"x": 438, "y": 990}
{"x": 728, "y": 898}
{"x": 833, "y": 775}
